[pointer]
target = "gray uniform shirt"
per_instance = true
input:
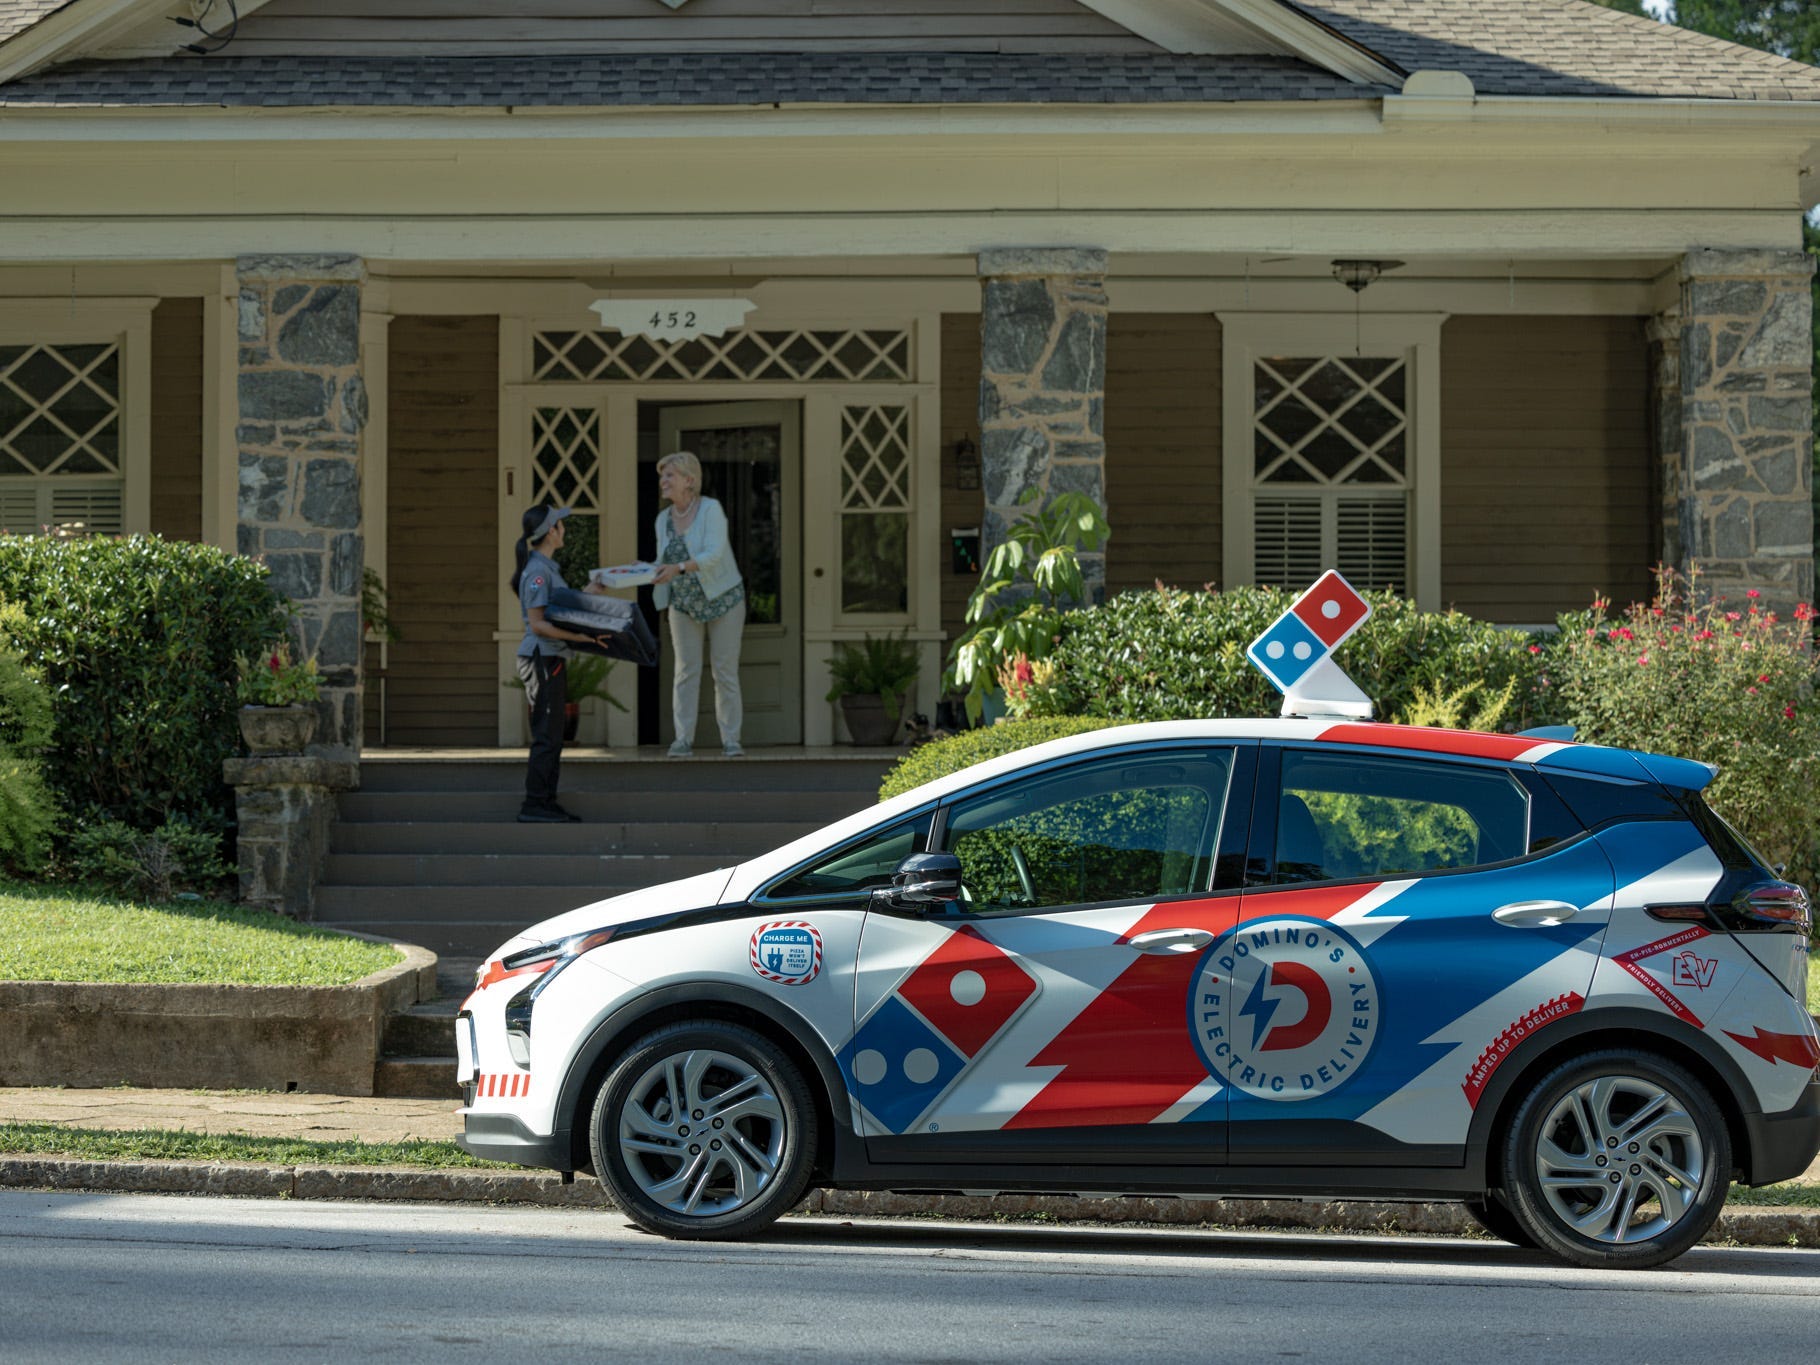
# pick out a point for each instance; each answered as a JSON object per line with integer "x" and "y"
{"x": 540, "y": 578}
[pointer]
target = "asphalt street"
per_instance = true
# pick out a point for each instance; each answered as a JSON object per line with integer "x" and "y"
{"x": 160, "y": 1278}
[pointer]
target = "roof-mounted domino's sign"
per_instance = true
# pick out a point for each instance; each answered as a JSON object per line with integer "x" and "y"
{"x": 1296, "y": 653}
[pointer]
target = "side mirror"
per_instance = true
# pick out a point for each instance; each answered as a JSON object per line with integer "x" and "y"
{"x": 924, "y": 881}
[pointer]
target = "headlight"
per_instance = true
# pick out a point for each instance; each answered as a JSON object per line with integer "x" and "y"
{"x": 544, "y": 962}
{"x": 543, "y": 958}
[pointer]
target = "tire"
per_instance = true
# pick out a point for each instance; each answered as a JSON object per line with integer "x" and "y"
{"x": 704, "y": 1131}
{"x": 1616, "y": 1160}
{"x": 1491, "y": 1214}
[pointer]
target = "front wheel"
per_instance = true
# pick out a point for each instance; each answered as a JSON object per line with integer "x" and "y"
{"x": 704, "y": 1131}
{"x": 1491, "y": 1214}
{"x": 1617, "y": 1160}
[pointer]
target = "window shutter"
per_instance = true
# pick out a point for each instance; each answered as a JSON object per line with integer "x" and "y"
{"x": 1372, "y": 542}
{"x": 19, "y": 510}
{"x": 1286, "y": 542}
{"x": 95, "y": 506}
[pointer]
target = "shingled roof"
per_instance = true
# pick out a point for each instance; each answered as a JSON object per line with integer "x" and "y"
{"x": 681, "y": 78}
{"x": 1562, "y": 47}
{"x": 18, "y": 15}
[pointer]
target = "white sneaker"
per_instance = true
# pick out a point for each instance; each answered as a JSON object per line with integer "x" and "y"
{"x": 682, "y": 749}
{"x": 733, "y": 749}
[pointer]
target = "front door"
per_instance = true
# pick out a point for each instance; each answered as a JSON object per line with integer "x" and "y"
{"x": 1047, "y": 1020}
{"x": 751, "y": 459}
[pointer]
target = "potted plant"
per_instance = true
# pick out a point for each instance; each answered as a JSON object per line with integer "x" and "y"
{"x": 871, "y": 679}
{"x": 1028, "y": 583}
{"x": 277, "y": 695}
{"x": 588, "y": 674}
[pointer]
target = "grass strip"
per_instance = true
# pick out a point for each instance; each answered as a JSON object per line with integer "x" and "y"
{"x": 56, "y": 933}
{"x": 1789, "y": 1194}
{"x": 160, "y": 1144}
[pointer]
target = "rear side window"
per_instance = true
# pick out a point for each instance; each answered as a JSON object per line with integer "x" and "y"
{"x": 1597, "y": 802}
{"x": 1343, "y": 816}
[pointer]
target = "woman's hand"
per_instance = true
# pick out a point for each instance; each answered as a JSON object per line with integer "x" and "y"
{"x": 666, "y": 572}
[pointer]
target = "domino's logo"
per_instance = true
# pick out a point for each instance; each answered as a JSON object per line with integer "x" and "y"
{"x": 1295, "y": 652}
{"x": 922, "y": 1036}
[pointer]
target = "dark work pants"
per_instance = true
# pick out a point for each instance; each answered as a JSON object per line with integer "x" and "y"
{"x": 546, "y": 680}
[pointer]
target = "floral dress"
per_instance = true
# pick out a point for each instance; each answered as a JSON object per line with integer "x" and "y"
{"x": 685, "y": 589}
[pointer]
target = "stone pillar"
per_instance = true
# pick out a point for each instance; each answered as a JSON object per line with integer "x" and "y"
{"x": 1042, "y": 384}
{"x": 1663, "y": 334}
{"x": 285, "y": 806}
{"x": 1746, "y": 519}
{"x": 303, "y": 404}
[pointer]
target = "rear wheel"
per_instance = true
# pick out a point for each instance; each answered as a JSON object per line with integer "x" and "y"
{"x": 704, "y": 1131}
{"x": 1617, "y": 1160}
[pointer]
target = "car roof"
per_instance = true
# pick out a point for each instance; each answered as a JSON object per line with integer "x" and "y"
{"x": 1543, "y": 750}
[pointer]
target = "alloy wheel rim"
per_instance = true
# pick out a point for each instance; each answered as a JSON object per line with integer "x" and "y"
{"x": 702, "y": 1133}
{"x": 1620, "y": 1160}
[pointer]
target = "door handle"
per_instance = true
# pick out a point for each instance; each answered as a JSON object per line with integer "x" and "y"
{"x": 1171, "y": 941}
{"x": 1534, "y": 914}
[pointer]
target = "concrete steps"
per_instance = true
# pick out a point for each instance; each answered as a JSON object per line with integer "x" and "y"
{"x": 428, "y": 851}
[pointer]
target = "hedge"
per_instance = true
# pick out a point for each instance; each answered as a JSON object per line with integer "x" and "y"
{"x": 136, "y": 640}
{"x": 940, "y": 757}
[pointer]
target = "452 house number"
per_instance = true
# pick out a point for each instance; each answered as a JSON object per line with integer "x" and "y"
{"x": 672, "y": 319}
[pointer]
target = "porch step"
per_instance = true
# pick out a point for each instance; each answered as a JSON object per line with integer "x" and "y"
{"x": 428, "y": 850}
{"x": 416, "y": 1078}
{"x": 716, "y": 805}
{"x": 422, "y": 1031}
{"x": 522, "y": 869}
{"x": 725, "y": 839}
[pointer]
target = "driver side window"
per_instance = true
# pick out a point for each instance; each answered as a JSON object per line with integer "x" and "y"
{"x": 1132, "y": 827}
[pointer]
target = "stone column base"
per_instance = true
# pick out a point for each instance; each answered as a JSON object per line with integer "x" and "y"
{"x": 286, "y": 808}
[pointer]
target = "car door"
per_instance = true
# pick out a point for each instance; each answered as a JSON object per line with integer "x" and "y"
{"x": 1404, "y": 919}
{"x": 1043, "y": 1018}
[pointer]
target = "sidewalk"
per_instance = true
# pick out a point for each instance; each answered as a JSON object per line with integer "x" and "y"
{"x": 328, "y": 1118}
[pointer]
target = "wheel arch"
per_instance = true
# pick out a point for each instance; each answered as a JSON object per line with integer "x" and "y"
{"x": 1632, "y": 1030}
{"x": 698, "y": 1003}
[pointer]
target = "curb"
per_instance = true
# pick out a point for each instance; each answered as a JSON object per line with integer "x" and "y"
{"x": 1739, "y": 1225}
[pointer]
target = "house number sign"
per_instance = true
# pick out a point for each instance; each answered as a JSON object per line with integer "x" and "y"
{"x": 672, "y": 319}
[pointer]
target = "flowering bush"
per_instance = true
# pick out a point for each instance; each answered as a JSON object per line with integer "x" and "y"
{"x": 1726, "y": 683}
{"x": 273, "y": 678}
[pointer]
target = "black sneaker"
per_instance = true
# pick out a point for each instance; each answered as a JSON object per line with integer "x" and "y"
{"x": 544, "y": 815}
{"x": 565, "y": 815}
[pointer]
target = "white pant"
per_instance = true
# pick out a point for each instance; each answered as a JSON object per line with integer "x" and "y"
{"x": 723, "y": 636}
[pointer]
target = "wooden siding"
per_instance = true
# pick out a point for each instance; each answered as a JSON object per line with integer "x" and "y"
{"x": 1163, "y": 450}
{"x": 442, "y": 532}
{"x": 1545, "y": 464}
{"x": 473, "y": 27}
{"x": 960, "y": 417}
{"x": 177, "y": 419}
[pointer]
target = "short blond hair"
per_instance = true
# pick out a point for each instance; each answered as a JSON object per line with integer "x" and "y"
{"x": 685, "y": 463}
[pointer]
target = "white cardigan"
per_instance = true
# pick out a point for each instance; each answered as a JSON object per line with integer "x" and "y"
{"x": 708, "y": 547}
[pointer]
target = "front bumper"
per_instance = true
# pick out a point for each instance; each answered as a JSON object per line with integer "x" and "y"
{"x": 1784, "y": 1145}
{"x": 502, "y": 1137}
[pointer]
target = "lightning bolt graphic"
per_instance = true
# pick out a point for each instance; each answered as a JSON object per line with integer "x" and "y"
{"x": 1798, "y": 1049}
{"x": 1126, "y": 1057}
{"x": 1257, "y": 1006}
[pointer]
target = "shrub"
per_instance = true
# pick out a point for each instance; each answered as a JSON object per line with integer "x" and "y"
{"x": 1725, "y": 684}
{"x": 1172, "y": 654}
{"x": 940, "y": 757}
{"x": 152, "y": 866}
{"x": 136, "y": 640}
{"x": 28, "y": 812}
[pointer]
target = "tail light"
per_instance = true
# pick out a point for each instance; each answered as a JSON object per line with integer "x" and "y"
{"x": 1774, "y": 905}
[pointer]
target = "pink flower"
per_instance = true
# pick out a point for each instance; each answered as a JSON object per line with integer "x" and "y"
{"x": 1752, "y": 592}
{"x": 1788, "y": 712}
{"x": 1704, "y": 635}
{"x": 1751, "y": 690}
{"x": 1763, "y": 677}
{"x": 1643, "y": 658}
{"x": 1731, "y": 616}
{"x": 1535, "y": 649}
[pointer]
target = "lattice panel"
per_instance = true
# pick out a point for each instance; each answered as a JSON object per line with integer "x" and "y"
{"x": 800, "y": 355}
{"x": 875, "y": 458}
{"x": 60, "y": 409}
{"x": 1331, "y": 420}
{"x": 565, "y": 457}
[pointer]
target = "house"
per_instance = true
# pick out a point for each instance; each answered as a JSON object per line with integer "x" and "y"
{"x": 1494, "y": 304}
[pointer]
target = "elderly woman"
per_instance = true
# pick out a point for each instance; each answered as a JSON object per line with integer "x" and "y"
{"x": 699, "y": 584}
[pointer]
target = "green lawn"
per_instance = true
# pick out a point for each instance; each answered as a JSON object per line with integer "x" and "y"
{"x": 1813, "y": 983}
{"x": 61, "y": 934}
{"x": 146, "y": 1144}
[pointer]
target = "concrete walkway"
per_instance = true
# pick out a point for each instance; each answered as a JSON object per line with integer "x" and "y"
{"x": 254, "y": 1113}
